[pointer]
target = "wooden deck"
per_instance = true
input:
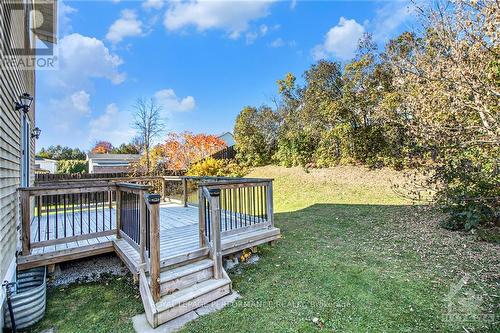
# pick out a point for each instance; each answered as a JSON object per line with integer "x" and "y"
{"x": 173, "y": 249}
{"x": 179, "y": 238}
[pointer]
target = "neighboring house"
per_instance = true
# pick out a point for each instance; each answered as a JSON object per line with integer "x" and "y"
{"x": 17, "y": 147}
{"x": 45, "y": 164}
{"x": 228, "y": 138}
{"x": 111, "y": 163}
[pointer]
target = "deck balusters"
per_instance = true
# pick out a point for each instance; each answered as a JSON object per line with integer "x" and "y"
{"x": 242, "y": 205}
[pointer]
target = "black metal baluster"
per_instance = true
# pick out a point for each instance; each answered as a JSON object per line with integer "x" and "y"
{"x": 47, "y": 227}
{"x": 81, "y": 214}
{"x": 88, "y": 210}
{"x": 262, "y": 203}
{"x": 103, "y": 212}
{"x": 57, "y": 203}
{"x": 64, "y": 212}
{"x": 96, "y": 197}
{"x": 254, "y": 211}
{"x": 39, "y": 213}
{"x": 73, "y": 213}
{"x": 224, "y": 194}
{"x": 110, "y": 202}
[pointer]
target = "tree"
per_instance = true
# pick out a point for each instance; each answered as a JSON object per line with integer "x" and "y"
{"x": 72, "y": 166}
{"x": 255, "y": 132}
{"x": 148, "y": 122}
{"x": 61, "y": 153}
{"x": 180, "y": 150}
{"x": 102, "y": 147}
{"x": 447, "y": 79}
{"x": 126, "y": 148}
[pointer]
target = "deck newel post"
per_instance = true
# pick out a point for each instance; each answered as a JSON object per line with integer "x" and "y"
{"x": 155, "y": 249}
{"x": 201, "y": 216}
{"x": 184, "y": 192}
{"x": 142, "y": 227}
{"x": 118, "y": 211}
{"x": 25, "y": 222}
{"x": 269, "y": 203}
{"x": 164, "y": 189}
{"x": 216, "y": 241}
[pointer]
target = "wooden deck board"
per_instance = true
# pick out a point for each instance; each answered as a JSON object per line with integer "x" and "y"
{"x": 178, "y": 234}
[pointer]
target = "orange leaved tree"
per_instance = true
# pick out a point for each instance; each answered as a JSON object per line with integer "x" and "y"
{"x": 102, "y": 147}
{"x": 180, "y": 150}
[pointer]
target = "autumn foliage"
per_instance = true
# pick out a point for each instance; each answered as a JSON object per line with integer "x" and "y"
{"x": 102, "y": 147}
{"x": 180, "y": 150}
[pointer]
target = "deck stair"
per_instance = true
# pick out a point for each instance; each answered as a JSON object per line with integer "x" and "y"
{"x": 185, "y": 288}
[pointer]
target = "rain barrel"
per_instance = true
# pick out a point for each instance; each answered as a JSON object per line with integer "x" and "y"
{"x": 28, "y": 298}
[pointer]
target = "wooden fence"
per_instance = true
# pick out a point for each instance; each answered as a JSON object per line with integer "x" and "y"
{"x": 51, "y": 177}
{"x": 227, "y": 153}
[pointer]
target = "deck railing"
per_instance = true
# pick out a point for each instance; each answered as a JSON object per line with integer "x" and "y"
{"x": 130, "y": 199}
{"x": 244, "y": 203}
{"x": 139, "y": 224}
{"x": 150, "y": 229}
{"x": 79, "y": 210}
{"x": 55, "y": 215}
{"x": 228, "y": 206}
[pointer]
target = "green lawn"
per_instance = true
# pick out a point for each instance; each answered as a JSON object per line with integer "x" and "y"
{"x": 354, "y": 258}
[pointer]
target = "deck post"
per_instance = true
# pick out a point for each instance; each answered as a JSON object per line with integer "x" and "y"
{"x": 269, "y": 203}
{"x": 184, "y": 192}
{"x": 155, "y": 249}
{"x": 142, "y": 227}
{"x": 201, "y": 217}
{"x": 216, "y": 240}
{"x": 164, "y": 189}
{"x": 118, "y": 211}
{"x": 25, "y": 221}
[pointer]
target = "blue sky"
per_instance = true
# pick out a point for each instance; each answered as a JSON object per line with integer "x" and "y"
{"x": 202, "y": 61}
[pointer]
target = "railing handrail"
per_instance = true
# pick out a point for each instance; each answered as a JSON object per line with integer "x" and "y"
{"x": 35, "y": 189}
{"x": 133, "y": 186}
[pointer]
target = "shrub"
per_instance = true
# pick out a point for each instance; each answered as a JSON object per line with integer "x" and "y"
{"x": 213, "y": 167}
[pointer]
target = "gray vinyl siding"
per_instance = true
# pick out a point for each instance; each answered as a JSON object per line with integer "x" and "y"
{"x": 12, "y": 84}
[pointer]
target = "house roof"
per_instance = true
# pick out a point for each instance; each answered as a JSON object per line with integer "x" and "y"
{"x": 116, "y": 157}
{"x": 37, "y": 158}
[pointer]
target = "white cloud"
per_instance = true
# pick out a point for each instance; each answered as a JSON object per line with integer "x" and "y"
{"x": 152, "y": 4}
{"x": 340, "y": 41}
{"x": 63, "y": 16}
{"x": 279, "y": 42}
{"x": 80, "y": 101}
{"x": 253, "y": 35}
{"x": 389, "y": 18}
{"x": 231, "y": 16}
{"x": 293, "y": 4}
{"x": 63, "y": 116}
{"x": 113, "y": 126}
{"x": 170, "y": 102}
{"x": 80, "y": 59}
{"x": 127, "y": 25}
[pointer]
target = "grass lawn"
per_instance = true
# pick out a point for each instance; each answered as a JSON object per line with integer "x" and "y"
{"x": 354, "y": 258}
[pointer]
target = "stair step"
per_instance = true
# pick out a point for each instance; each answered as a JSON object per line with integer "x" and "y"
{"x": 175, "y": 273}
{"x": 190, "y": 295}
{"x": 185, "y": 276}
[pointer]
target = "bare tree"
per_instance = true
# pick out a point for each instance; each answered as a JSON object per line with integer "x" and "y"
{"x": 148, "y": 122}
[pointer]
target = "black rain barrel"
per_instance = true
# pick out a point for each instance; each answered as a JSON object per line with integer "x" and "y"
{"x": 28, "y": 300}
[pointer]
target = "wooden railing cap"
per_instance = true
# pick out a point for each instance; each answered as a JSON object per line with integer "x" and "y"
{"x": 133, "y": 186}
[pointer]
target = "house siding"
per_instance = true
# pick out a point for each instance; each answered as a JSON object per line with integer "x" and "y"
{"x": 12, "y": 84}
